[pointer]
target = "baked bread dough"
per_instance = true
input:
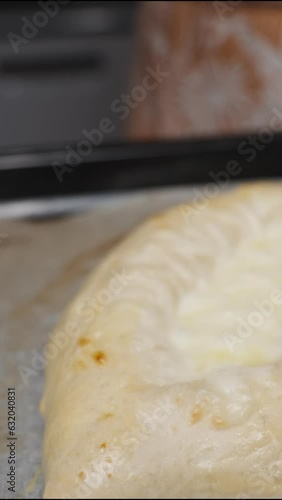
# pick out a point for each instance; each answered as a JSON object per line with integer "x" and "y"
{"x": 166, "y": 374}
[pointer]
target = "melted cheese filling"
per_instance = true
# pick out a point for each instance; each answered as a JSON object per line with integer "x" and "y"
{"x": 235, "y": 316}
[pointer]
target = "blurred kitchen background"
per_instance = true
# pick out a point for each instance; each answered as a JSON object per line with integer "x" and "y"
{"x": 63, "y": 78}
{"x": 64, "y": 64}
{"x": 224, "y": 60}
{"x": 136, "y": 94}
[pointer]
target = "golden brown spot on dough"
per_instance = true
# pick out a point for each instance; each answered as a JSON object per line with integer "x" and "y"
{"x": 218, "y": 422}
{"x": 82, "y": 475}
{"x": 108, "y": 460}
{"x": 83, "y": 341}
{"x": 103, "y": 446}
{"x": 106, "y": 416}
{"x": 173, "y": 428}
{"x": 80, "y": 364}
{"x": 109, "y": 475}
{"x": 196, "y": 414}
{"x": 99, "y": 357}
{"x": 179, "y": 399}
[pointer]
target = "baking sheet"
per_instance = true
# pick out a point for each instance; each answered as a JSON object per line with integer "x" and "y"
{"x": 42, "y": 265}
